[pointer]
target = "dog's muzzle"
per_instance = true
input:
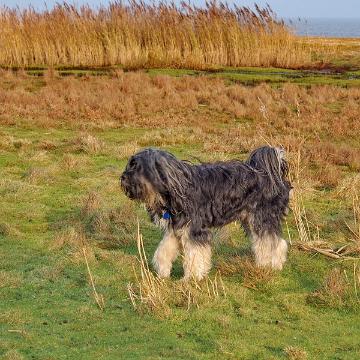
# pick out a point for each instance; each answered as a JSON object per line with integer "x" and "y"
{"x": 125, "y": 185}
{"x": 128, "y": 187}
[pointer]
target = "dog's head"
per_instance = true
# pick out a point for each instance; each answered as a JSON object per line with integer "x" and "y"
{"x": 271, "y": 162}
{"x": 151, "y": 176}
{"x": 136, "y": 179}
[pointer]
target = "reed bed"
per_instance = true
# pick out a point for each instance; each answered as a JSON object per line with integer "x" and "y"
{"x": 135, "y": 34}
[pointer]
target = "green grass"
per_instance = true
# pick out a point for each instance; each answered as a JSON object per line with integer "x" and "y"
{"x": 242, "y": 75}
{"x": 47, "y": 310}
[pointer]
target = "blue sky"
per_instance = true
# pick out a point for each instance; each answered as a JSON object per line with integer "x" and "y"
{"x": 284, "y": 8}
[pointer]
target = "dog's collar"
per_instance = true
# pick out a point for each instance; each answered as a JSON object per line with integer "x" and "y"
{"x": 166, "y": 215}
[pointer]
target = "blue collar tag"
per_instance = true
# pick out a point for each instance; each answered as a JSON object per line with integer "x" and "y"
{"x": 166, "y": 215}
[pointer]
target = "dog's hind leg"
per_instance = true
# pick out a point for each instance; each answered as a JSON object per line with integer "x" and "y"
{"x": 165, "y": 254}
{"x": 197, "y": 257}
{"x": 269, "y": 250}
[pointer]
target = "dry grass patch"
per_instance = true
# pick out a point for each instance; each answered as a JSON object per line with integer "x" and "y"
{"x": 253, "y": 277}
{"x": 355, "y": 229}
{"x": 127, "y": 150}
{"x": 339, "y": 290}
{"x": 349, "y": 190}
{"x": 40, "y": 156}
{"x": 10, "y": 279}
{"x": 8, "y": 142}
{"x": 74, "y": 239}
{"x": 70, "y": 236}
{"x": 109, "y": 227}
{"x": 38, "y": 175}
{"x": 15, "y": 189}
{"x": 91, "y": 203}
{"x": 309, "y": 236}
{"x": 135, "y": 100}
{"x": 231, "y": 266}
{"x": 295, "y": 353}
{"x": 99, "y": 298}
{"x": 13, "y": 355}
{"x": 80, "y": 253}
{"x": 14, "y": 317}
{"x": 310, "y": 239}
{"x": 7, "y": 229}
{"x": 151, "y": 294}
{"x": 88, "y": 144}
{"x": 47, "y": 145}
{"x": 171, "y": 137}
{"x": 71, "y": 162}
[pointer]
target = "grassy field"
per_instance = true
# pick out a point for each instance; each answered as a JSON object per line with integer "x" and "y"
{"x": 276, "y": 77}
{"x": 64, "y": 142}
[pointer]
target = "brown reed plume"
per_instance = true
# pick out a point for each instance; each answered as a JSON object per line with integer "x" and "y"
{"x": 135, "y": 34}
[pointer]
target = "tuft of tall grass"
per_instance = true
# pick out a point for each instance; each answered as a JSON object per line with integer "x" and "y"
{"x": 137, "y": 34}
{"x": 152, "y": 294}
{"x": 109, "y": 227}
{"x": 350, "y": 190}
{"x": 307, "y": 232}
{"x": 340, "y": 289}
{"x": 295, "y": 353}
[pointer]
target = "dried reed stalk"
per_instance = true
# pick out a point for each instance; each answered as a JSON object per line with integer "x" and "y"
{"x": 150, "y": 291}
{"x": 98, "y": 297}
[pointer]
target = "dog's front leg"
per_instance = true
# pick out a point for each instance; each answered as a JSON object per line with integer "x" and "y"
{"x": 269, "y": 250}
{"x": 197, "y": 257}
{"x": 165, "y": 254}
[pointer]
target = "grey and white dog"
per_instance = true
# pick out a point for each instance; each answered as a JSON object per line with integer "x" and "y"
{"x": 188, "y": 200}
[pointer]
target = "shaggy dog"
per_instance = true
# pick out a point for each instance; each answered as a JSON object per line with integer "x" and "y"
{"x": 187, "y": 200}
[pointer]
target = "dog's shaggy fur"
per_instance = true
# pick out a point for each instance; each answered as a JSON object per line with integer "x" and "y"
{"x": 188, "y": 200}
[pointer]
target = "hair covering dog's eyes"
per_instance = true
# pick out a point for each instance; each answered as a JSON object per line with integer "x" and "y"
{"x": 132, "y": 164}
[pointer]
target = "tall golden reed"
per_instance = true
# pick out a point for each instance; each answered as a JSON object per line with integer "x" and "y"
{"x": 135, "y": 34}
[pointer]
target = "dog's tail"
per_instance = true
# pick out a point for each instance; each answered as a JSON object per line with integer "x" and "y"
{"x": 272, "y": 163}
